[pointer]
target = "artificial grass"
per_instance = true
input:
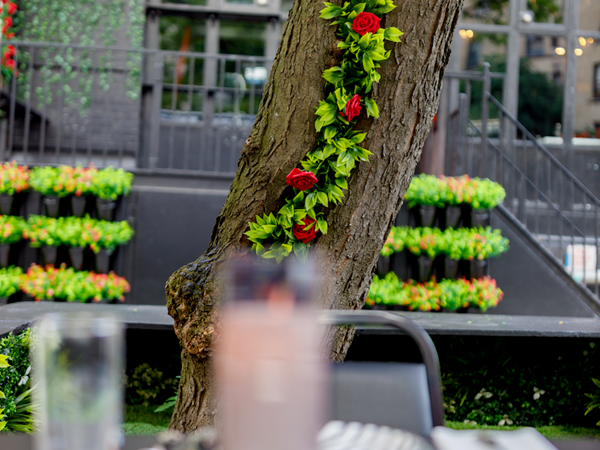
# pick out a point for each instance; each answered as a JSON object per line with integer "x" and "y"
{"x": 143, "y": 421}
{"x": 552, "y": 432}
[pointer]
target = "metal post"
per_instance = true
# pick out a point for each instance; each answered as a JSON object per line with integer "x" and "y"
{"x": 157, "y": 89}
{"x": 485, "y": 112}
{"x": 210, "y": 82}
{"x": 568, "y": 119}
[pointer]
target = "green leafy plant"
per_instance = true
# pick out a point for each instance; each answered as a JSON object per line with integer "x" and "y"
{"x": 454, "y": 191}
{"x": 45, "y": 181}
{"x": 77, "y": 232}
{"x": 46, "y": 283}
{"x": 594, "y": 397}
{"x": 13, "y": 178}
{"x": 11, "y": 229}
{"x": 425, "y": 190}
{"x": 147, "y": 386}
{"x": 110, "y": 183}
{"x": 432, "y": 296}
{"x": 10, "y": 277}
{"x": 15, "y": 383}
{"x": 463, "y": 243}
{"x": 76, "y": 180}
{"x": 338, "y": 150}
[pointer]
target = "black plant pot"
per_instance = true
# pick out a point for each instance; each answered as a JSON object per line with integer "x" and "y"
{"x": 105, "y": 208}
{"x": 450, "y": 268}
{"x": 478, "y": 268}
{"x": 51, "y": 204}
{"x": 426, "y": 215}
{"x": 78, "y": 205}
{"x": 424, "y": 265}
{"x": 6, "y": 201}
{"x": 49, "y": 254}
{"x": 4, "y": 254}
{"x": 103, "y": 260}
{"x": 480, "y": 217}
{"x": 452, "y": 216}
{"x": 76, "y": 255}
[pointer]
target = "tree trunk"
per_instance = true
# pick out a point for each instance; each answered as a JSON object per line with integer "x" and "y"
{"x": 283, "y": 133}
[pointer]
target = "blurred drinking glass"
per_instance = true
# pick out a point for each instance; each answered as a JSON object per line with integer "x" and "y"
{"x": 78, "y": 370}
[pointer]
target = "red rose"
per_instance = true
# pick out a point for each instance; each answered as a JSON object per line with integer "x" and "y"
{"x": 352, "y": 108}
{"x": 366, "y": 22}
{"x": 10, "y": 64}
{"x": 300, "y": 179}
{"x": 12, "y": 8}
{"x": 8, "y": 21}
{"x": 10, "y": 50}
{"x": 304, "y": 235}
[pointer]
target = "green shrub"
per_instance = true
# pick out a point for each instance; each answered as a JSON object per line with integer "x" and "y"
{"x": 110, "y": 183}
{"x": 147, "y": 386}
{"x": 13, "y": 178}
{"x": 595, "y": 398}
{"x": 432, "y": 296}
{"x": 463, "y": 243}
{"x": 15, "y": 383}
{"x": 11, "y": 229}
{"x": 454, "y": 191}
{"x": 525, "y": 380}
{"x": 10, "y": 278}
{"x": 45, "y": 181}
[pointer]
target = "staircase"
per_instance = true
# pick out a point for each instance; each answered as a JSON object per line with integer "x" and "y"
{"x": 549, "y": 207}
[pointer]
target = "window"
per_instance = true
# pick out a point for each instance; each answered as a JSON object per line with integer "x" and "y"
{"x": 535, "y": 45}
{"x": 597, "y": 81}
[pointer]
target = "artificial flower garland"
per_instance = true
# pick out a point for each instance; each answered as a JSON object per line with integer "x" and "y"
{"x": 326, "y": 168}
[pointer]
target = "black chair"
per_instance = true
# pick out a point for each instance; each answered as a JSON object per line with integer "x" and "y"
{"x": 399, "y": 395}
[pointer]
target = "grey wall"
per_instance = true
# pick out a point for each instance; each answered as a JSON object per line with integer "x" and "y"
{"x": 173, "y": 220}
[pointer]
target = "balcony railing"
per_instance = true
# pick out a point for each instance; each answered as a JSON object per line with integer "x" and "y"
{"x": 146, "y": 110}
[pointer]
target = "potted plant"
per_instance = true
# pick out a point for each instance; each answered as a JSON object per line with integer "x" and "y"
{"x": 108, "y": 184}
{"x": 486, "y": 196}
{"x": 453, "y": 197}
{"x": 451, "y": 245}
{"x": 77, "y": 182}
{"x": 486, "y": 293}
{"x": 481, "y": 245}
{"x": 423, "y": 243}
{"x": 423, "y": 197}
{"x": 454, "y": 295}
{"x": 13, "y": 180}
{"x": 45, "y": 181}
{"x": 104, "y": 237}
{"x": 11, "y": 231}
{"x": 9, "y": 282}
{"x": 43, "y": 233}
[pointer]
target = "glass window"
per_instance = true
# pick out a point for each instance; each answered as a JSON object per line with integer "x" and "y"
{"x": 597, "y": 81}
{"x": 486, "y": 11}
{"x": 242, "y": 37}
{"x": 589, "y": 15}
{"x": 182, "y": 33}
{"x": 546, "y": 11}
{"x": 541, "y": 76}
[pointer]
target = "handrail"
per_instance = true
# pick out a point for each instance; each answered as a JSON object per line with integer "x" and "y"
{"x": 416, "y": 332}
{"x": 543, "y": 149}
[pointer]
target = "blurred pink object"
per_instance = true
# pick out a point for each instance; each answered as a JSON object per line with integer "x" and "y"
{"x": 269, "y": 368}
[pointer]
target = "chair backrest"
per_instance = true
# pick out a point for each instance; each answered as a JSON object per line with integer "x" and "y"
{"x": 398, "y": 395}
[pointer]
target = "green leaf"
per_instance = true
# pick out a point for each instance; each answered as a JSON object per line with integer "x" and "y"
{"x": 312, "y": 214}
{"x": 334, "y": 75}
{"x": 341, "y": 182}
{"x": 365, "y": 40}
{"x": 322, "y": 197}
{"x": 299, "y": 215}
{"x": 260, "y": 249}
{"x": 372, "y": 108}
{"x": 359, "y": 8}
{"x": 322, "y": 226}
{"x": 328, "y": 151}
{"x": 311, "y": 201}
{"x": 259, "y": 220}
{"x": 358, "y": 138}
{"x": 330, "y": 12}
{"x": 330, "y": 132}
{"x": 367, "y": 62}
{"x": 299, "y": 197}
{"x": 301, "y": 250}
{"x": 392, "y": 34}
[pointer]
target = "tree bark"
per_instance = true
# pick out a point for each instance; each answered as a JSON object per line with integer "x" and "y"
{"x": 407, "y": 95}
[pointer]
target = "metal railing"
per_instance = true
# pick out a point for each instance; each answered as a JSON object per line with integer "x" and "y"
{"x": 541, "y": 193}
{"x": 141, "y": 109}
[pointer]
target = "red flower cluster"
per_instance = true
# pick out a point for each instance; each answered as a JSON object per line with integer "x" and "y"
{"x": 300, "y": 179}
{"x": 7, "y": 61}
{"x": 366, "y": 22}
{"x": 353, "y": 108}
{"x": 300, "y": 233}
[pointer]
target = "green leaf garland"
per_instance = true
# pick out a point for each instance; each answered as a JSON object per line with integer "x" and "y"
{"x": 275, "y": 236}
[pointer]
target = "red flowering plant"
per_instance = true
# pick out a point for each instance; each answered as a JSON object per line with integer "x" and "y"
{"x": 76, "y": 180}
{"x": 327, "y": 167}
{"x": 13, "y": 178}
{"x": 47, "y": 283}
{"x": 8, "y": 64}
